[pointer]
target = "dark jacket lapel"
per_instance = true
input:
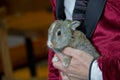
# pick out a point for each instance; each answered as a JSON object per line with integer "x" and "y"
{"x": 93, "y": 14}
{"x": 60, "y": 9}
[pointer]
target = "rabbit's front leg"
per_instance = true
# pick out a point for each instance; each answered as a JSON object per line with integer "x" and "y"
{"x": 66, "y": 61}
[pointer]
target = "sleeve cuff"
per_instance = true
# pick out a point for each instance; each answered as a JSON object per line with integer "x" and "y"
{"x": 94, "y": 71}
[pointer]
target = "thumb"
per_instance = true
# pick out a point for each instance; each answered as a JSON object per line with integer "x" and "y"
{"x": 55, "y": 58}
{"x": 57, "y": 63}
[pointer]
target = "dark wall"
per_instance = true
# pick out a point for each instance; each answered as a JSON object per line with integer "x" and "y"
{"x": 14, "y": 6}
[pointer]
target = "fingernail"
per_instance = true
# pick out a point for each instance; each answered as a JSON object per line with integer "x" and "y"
{"x": 55, "y": 59}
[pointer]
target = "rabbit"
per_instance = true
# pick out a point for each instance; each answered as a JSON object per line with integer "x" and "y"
{"x": 62, "y": 34}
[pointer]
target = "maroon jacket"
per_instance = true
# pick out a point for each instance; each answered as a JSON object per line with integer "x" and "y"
{"x": 106, "y": 38}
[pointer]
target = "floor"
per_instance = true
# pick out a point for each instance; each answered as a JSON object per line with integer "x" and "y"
{"x": 24, "y": 73}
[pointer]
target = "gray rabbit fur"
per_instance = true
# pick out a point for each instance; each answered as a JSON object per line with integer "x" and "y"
{"x": 62, "y": 34}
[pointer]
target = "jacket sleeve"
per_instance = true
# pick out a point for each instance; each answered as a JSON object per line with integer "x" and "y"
{"x": 110, "y": 67}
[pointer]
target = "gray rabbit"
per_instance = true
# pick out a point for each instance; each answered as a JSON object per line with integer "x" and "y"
{"x": 62, "y": 34}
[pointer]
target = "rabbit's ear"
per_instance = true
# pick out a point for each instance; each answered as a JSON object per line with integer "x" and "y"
{"x": 75, "y": 24}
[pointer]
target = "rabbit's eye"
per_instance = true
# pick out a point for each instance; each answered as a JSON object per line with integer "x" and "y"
{"x": 59, "y": 33}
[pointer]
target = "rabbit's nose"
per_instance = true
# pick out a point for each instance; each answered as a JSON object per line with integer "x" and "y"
{"x": 50, "y": 45}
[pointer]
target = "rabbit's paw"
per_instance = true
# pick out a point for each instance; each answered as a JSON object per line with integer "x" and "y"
{"x": 66, "y": 62}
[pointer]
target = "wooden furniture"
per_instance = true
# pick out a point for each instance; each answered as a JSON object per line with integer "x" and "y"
{"x": 28, "y": 23}
{"x": 5, "y": 54}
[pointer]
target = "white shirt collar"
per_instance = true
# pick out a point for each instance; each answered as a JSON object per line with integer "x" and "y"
{"x": 69, "y": 7}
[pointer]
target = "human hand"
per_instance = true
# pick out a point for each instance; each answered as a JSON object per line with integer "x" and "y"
{"x": 79, "y": 66}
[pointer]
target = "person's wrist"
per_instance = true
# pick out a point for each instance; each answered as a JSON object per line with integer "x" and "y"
{"x": 90, "y": 60}
{"x": 90, "y": 67}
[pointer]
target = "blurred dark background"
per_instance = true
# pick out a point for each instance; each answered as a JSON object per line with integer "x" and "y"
{"x": 23, "y": 36}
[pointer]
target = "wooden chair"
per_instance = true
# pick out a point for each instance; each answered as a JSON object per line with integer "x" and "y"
{"x": 28, "y": 24}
